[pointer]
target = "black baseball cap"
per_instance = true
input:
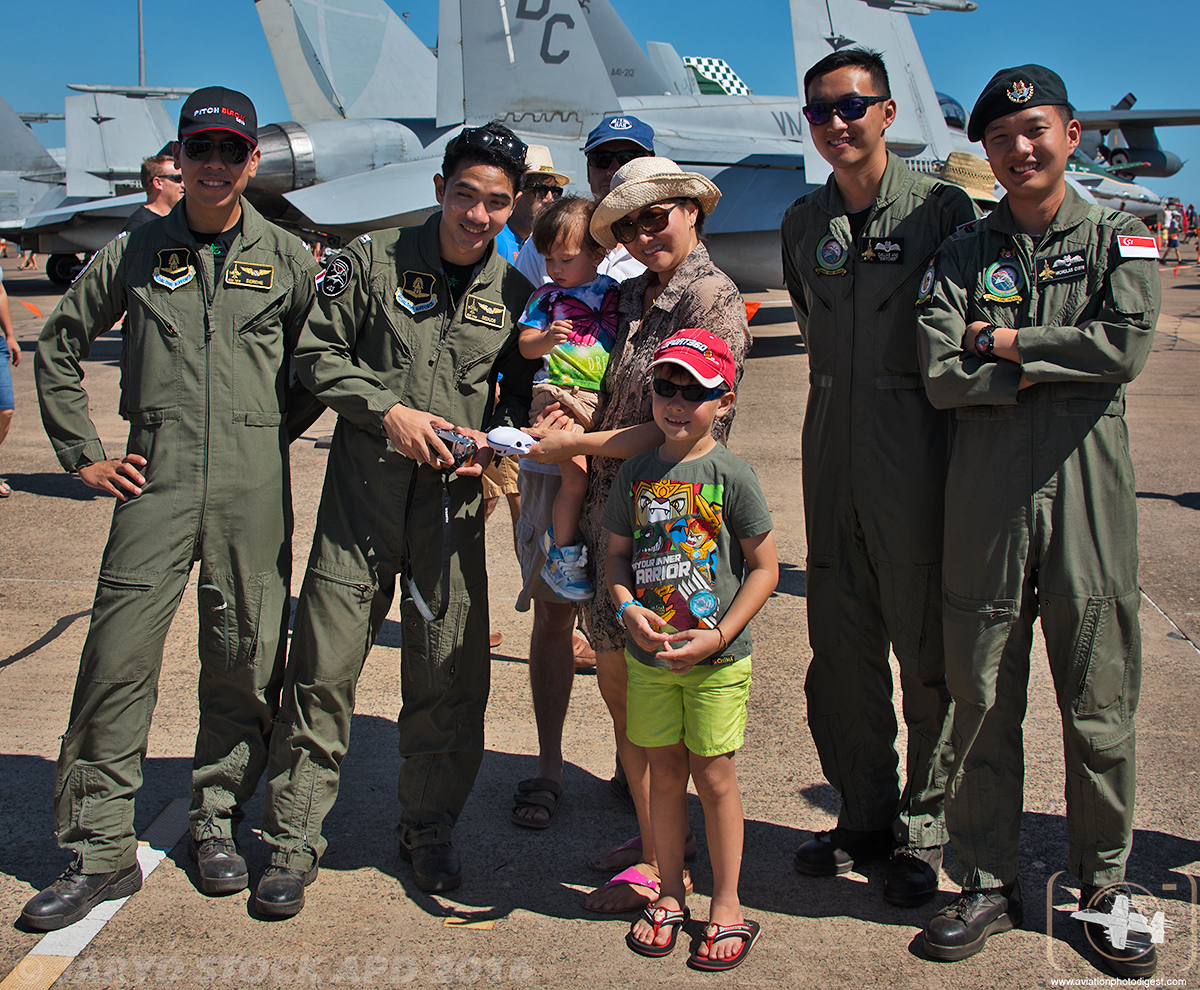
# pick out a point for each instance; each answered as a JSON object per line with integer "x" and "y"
{"x": 1013, "y": 90}
{"x": 216, "y": 108}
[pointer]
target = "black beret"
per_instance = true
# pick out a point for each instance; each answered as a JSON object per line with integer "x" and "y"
{"x": 1012, "y": 90}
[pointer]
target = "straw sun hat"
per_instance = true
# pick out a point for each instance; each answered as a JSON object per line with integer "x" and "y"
{"x": 971, "y": 173}
{"x": 644, "y": 181}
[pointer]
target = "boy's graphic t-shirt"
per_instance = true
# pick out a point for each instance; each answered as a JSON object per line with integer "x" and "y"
{"x": 592, "y": 309}
{"x": 686, "y": 521}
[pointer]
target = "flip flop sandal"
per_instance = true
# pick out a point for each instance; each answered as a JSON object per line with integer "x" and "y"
{"x": 658, "y": 918}
{"x": 635, "y": 877}
{"x": 525, "y": 798}
{"x": 635, "y": 845}
{"x": 5, "y": 491}
{"x": 748, "y": 932}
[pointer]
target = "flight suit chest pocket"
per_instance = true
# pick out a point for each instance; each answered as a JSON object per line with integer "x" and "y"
{"x": 260, "y": 353}
{"x": 151, "y": 361}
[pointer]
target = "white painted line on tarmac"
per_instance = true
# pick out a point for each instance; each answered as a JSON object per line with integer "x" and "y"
{"x": 55, "y": 951}
{"x": 1182, "y": 635}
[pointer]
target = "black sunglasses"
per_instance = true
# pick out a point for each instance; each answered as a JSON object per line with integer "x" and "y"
{"x": 851, "y": 108}
{"x": 691, "y": 393}
{"x": 232, "y": 152}
{"x": 603, "y": 159}
{"x": 175, "y": 177}
{"x": 543, "y": 189}
{"x": 481, "y": 137}
{"x": 652, "y": 220}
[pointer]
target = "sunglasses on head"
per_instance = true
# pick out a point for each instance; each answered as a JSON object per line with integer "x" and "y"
{"x": 653, "y": 220}
{"x": 603, "y": 159}
{"x": 691, "y": 393}
{"x": 542, "y": 189}
{"x": 851, "y": 108}
{"x": 232, "y": 152}
{"x": 481, "y": 137}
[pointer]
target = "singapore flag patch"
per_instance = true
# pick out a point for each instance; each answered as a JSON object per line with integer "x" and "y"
{"x": 1137, "y": 247}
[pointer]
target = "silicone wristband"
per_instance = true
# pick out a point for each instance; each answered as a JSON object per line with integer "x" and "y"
{"x": 621, "y": 610}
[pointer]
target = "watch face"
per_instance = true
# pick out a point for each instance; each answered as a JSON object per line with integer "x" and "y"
{"x": 984, "y": 342}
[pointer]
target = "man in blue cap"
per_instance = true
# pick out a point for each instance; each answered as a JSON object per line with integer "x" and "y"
{"x": 612, "y": 143}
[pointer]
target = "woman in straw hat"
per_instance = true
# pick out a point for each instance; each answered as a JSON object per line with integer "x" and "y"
{"x": 657, "y": 211}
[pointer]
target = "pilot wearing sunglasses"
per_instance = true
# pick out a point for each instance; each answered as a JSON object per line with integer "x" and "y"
{"x": 875, "y": 457}
{"x": 213, "y": 298}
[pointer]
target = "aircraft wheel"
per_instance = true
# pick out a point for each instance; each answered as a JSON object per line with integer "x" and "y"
{"x": 1118, "y": 158}
{"x": 61, "y": 269}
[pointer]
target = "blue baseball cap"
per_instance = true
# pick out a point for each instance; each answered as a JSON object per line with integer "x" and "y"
{"x": 621, "y": 129}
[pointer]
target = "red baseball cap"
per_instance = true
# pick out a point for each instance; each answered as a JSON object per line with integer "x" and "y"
{"x": 705, "y": 355}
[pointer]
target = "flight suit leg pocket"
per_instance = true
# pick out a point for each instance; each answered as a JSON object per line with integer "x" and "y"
{"x": 120, "y": 648}
{"x": 1101, "y": 639}
{"x": 976, "y": 632}
{"x": 824, "y": 623}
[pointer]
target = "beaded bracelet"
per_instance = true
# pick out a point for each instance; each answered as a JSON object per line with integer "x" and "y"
{"x": 724, "y": 643}
{"x": 621, "y": 610}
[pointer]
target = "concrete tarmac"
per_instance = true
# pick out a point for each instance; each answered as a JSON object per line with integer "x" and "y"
{"x": 517, "y": 919}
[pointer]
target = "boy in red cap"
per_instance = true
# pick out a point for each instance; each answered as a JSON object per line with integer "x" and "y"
{"x": 685, "y": 517}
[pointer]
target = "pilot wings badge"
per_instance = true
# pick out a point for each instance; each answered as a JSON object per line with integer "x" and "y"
{"x": 175, "y": 267}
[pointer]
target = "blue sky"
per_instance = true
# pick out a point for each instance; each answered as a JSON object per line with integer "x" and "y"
{"x": 1102, "y": 48}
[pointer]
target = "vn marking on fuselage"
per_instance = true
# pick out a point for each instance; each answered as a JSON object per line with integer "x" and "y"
{"x": 788, "y": 125}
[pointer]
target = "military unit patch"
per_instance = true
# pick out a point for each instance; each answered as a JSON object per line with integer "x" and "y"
{"x": 889, "y": 250}
{"x": 416, "y": 292}
{"x": 1020, "y": 91}
{"x": 249, "y": 276}
{"x": 337, "y": 276}
{"x": 925, "y": 292}
{"x": 1062, "y": 268}
{"x": 484, "y": 312}
{"x": 1003, "y": 279}
{"x": 175, "y": 267}
{"x": 831, "y": 256}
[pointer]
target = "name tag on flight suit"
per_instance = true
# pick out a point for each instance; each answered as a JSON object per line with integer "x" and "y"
{"x": 250, "y": 276}
{"x": 484, "y": 312}
{"x": 1061, "y": 268}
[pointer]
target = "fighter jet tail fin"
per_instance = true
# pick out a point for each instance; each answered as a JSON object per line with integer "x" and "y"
{"x": 524, "y": 62}
{"x": 108, "y": 134}
{"x": 20, "y": 151}
{"x": 352, "y": 59}
{"x": 27, "y": 169}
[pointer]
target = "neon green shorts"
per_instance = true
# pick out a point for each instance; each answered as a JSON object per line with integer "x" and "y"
{"x": 706, "y": 707}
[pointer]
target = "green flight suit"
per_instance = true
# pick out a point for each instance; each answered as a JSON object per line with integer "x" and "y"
{"x": 387, "y": 333}
{"x": 205, "y": 388}
{"x": 874, "y": 457}
{"x": 1041, "y": 520}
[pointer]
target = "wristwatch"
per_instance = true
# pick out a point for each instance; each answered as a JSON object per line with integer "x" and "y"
{"x": 985, "y": 342}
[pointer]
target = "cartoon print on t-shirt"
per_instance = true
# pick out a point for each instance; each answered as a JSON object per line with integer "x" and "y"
{"x": 675, "y": 551}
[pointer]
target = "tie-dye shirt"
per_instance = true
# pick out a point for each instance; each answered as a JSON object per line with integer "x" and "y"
{"x": 582, "y": 358}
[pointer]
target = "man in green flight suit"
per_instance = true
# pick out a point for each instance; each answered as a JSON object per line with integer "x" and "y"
{"x": 874, "y": 467}
{"x": 414, "y": 328}
{"x": 1037, "y": 318}
{"x": 214, "y": 299}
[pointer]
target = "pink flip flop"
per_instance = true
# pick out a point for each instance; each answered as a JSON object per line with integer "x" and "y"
{"x": 635, "y": 877}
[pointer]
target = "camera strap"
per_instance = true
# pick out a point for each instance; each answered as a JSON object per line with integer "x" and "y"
{"x": 413, "y": 592}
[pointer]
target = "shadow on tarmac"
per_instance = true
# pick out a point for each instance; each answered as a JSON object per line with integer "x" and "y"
{"x": 54, "y": 484}
{"x": 782, "y": 346}
{"x": 1189, "y": 500}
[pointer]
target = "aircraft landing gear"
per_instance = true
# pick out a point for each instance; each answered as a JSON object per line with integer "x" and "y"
{"x": 61, "y": 269}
